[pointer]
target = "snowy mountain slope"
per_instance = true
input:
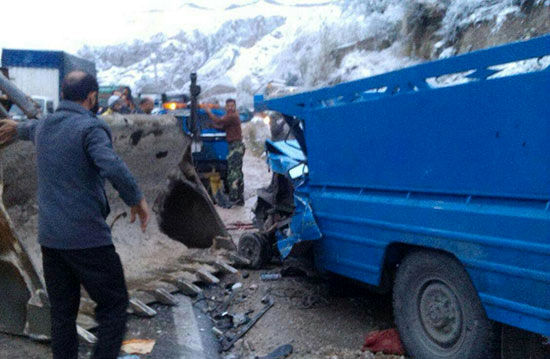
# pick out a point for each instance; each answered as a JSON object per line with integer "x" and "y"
{"x": 246, "y": 45}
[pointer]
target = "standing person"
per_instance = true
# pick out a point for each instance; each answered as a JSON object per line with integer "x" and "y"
{"x": 129, "y": 105}
{"x": 146, "y": 105}
{"x": 231, "y": 124}
{"x": 74, "y": 157}
{"x": 114, "y": 105}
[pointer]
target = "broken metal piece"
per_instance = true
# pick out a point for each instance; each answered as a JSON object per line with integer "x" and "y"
{"x": 280, "y": 353}
{"x": 217, "y": 332}
{"x": 270, "y": 276}
{"x": 266, "y": 299}
{"x": 227, "y": 343}
{"x": 141, "y": 309}
{"x": 240, "y": 319}
{"x": 86, "y": 335}
{"x": 85, "y": 321}
{"x": 225, "y": 321}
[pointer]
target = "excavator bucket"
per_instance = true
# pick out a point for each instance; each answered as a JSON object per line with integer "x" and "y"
{"x": 158, "y": 154}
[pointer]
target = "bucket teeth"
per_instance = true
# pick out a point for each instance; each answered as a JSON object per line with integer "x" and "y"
{"x": 207, "y": 277}
{"x": 225, "y": 268}
{"x": 86, "y": 335}
{"x": 238, "y": 261}
{"x": 85, "y": 321}
{"x": 137, "y": 307}
{"x": 164, "y": 297}
{"x": 187, "y": 288}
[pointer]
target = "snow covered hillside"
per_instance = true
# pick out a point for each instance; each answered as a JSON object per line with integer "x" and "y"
{"x": 258, "y": 46}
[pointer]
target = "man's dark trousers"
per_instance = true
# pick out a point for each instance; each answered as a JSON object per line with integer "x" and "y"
{"x": 100, "y": 272}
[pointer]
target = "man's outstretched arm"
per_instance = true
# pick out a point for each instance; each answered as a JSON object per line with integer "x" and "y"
{"x": 11, "y": 130}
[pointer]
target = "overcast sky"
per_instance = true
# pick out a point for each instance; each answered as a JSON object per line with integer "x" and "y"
{"x": 70, "y": 24}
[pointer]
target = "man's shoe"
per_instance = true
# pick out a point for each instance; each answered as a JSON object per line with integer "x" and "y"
{"x": 222, "y": 200}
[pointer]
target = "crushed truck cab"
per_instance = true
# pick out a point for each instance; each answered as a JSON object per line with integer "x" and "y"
{"x": 434, "y": 180}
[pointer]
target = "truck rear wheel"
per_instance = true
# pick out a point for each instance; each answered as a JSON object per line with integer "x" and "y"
{"x": 437, "y": 309}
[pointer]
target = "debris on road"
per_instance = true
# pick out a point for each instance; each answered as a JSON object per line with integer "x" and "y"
{"x": 229, "y": 341}
{"x": 138, "y": 346}
{"x": 385, "y": 341}
{"x": 280, "y": 353}
{"x": 270, "y": 276}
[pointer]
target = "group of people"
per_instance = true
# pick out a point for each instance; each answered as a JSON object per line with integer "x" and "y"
{"x": 122, "y": 101}
{"x": 74, "y": 158}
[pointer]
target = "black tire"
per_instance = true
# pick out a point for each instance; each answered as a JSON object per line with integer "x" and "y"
{"x": 255, "y": 248}
{"x": 437, "y": 310}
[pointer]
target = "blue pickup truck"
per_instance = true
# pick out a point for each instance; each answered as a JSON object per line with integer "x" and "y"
{"x": 433, "y": 182}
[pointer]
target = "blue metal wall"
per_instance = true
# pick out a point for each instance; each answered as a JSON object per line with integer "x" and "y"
{"x": 32, "y": 58}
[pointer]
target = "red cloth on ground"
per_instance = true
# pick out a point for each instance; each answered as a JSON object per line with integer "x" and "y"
{"x": 385, "y": 341}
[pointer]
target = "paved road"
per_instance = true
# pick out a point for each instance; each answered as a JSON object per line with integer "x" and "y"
{"x": 181, "y": 332}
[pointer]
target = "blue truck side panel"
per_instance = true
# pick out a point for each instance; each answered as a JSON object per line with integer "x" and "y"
{"x": 394, "y": 161}
{"x": 60, "y": 60}
{"x": 501, "y": 149}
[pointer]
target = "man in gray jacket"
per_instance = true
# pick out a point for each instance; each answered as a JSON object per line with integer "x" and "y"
{"x": 74, "y": 157}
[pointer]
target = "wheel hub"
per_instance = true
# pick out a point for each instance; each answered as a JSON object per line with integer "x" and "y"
{"x": 440, "y": 314}
{"x": 251, "y": 249}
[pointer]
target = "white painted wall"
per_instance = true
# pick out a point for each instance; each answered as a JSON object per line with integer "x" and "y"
{"x": 37, "y": 81}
